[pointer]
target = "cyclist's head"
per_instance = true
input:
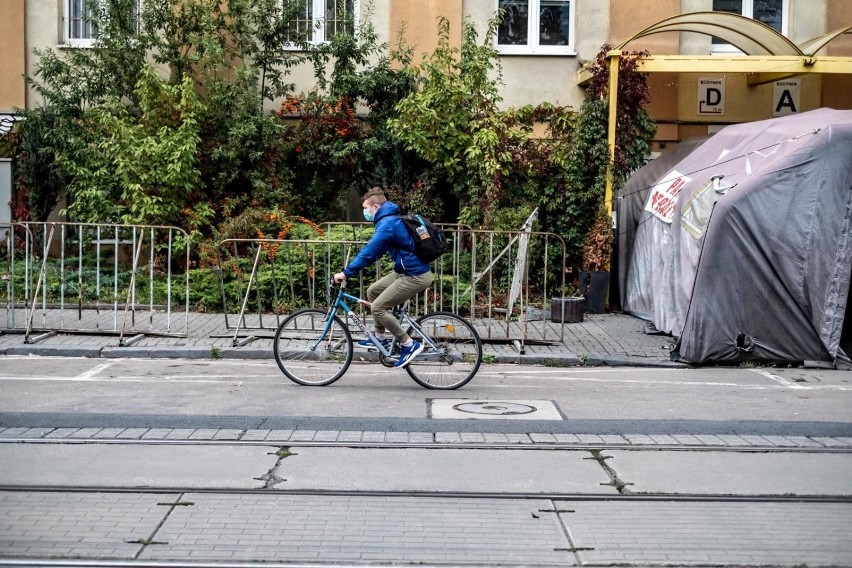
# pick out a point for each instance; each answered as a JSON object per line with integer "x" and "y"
{"x": 375, "y": 196}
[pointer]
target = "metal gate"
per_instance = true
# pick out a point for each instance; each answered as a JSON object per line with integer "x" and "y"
{"x": 502, "y": 281}
{"x": 96, "y": 279}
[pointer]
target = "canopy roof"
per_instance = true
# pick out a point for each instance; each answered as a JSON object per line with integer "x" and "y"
{"x": 766, "y": 50}
{"x": 750, "y": 36}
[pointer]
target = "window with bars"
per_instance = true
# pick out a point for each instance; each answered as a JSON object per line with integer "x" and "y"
{"x": 81, "y": 21}
{"x": 533, "y": 27}
{"x": 317, "y": 21}
{"x": 773, "y": 13}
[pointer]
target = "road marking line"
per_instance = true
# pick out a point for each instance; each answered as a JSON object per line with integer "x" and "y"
{"x": 787, "y": 383}
{"x": 95, "y": 370}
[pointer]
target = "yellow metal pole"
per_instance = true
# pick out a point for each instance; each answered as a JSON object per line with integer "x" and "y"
{"x": 614, "y": 57}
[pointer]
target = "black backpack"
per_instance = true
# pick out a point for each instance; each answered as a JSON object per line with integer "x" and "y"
{"x": 429, "y": 239}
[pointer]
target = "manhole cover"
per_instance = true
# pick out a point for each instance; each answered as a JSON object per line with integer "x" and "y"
{"x": 479, "y": 409}
{"x": 501, "y": 408}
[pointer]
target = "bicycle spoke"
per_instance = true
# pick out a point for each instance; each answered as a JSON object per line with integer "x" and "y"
{"x": 455, "y": 356}
{"x": 307, "y": 356}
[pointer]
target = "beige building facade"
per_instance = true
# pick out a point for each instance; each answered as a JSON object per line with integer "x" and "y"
{"x": 542, "y": 45}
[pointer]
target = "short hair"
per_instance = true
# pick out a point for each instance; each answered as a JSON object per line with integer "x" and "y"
{"x": 375, "y": 195}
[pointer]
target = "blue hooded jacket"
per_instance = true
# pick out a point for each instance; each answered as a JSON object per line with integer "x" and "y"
{"x": 392, "y": 237}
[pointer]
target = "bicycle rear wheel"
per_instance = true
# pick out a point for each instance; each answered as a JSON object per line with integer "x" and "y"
{"x": 307, "y": 355}
{"x": 457, "y": 358}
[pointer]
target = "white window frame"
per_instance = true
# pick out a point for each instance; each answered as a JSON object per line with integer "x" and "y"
{"x": 67, "y": 40}
{"x": 66, "y": 28}
{"x": 748, "y": 12}
{"x": 318, "y": 22}
{"x": 534, "y": 47}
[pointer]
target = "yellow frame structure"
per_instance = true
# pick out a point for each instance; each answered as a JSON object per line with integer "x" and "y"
{"x": 769, "y": 57}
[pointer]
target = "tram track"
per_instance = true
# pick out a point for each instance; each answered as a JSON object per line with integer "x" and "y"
{"x": 470, "y": 495}
{"x": 441, "y": 446}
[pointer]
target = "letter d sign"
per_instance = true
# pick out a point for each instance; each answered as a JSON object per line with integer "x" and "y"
{"x": 711, "y": 96}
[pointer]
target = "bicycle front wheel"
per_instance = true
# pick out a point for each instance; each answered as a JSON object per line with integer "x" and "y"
{"x": 455, "y": 360}
{"x": 307, "y": 353}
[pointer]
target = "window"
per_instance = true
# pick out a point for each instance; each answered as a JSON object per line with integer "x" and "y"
{"x": 537, "y": 27}
{"x": 773, "y": 13}
{"x": 318, "y": 21}
{"x": 81, "y": 21}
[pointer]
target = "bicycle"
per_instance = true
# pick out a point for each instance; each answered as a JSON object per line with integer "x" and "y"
{"x": 313, "y": 347}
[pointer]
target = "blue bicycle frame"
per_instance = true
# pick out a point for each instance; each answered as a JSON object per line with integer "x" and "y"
{"x": 340, "y": 303}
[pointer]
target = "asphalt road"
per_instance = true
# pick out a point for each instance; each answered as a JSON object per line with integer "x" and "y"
{"x": 66, "y": 392}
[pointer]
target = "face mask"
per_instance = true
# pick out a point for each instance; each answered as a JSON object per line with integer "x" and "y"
{"x": 369, "y": 215}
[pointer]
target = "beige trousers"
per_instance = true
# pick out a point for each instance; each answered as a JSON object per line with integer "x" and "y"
{"x": 390, "y": 291}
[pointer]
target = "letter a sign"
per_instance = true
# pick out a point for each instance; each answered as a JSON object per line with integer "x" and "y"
{"x": 786, "y": 96}
{"x": 711, "y": 96}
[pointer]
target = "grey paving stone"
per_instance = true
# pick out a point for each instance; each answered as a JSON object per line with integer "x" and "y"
{"x": 132, "y": 434}
{"x": 156, "y": 434}
{"x": 688, "y": 440}
{"x": 12, "y": 432}
{"x": 543, "y": 438}
{"x": 303, "y": 436}
{"x": 830, "y": 442}
{"x": 567, "y": 438}
{"x": 350, "y": 436}
{"x": 664, "y": 439}
{"x": 180, "y": 434}
{"x": 204, "y": 434}
{"x": 84, "y": 433}
{"x": 496, "y": 438}
{"x": 519, "y": 439}
{"x": 61, "y": 433}
{"x": 779, "y": 441}
{"x": 756, "y": 440}
{"x": 472, "y": 438}
{"x": 640, "y": 439}
{"x": 326, "y": 436}
{"x": 448, "y": 437}
{"x": 226, "y": 434}
{"x": 396, "y": 437}
{"x": 373, "y": 437}
{"x": 279, "y": 435}
{"x": 255, "y": 435}
{"x": 109, "y": 433}
{"x": 711, "y": 440}
{"x": 803, "y": 442}
{"x": 733, "y": 440}
{"x": 590, "y": 438}
{"x": 421, "y": 438}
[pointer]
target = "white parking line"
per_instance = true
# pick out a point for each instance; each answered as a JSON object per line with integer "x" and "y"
{"x": 95, "y": 370}
{"x": 781, "y": 380}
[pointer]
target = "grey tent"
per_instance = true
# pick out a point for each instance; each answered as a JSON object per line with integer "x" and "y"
{"x": 631, "y": 202}
{"x": 743, "y": 249}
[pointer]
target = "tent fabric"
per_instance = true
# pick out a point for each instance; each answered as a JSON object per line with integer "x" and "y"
{"x": 743, "y": 248}
{"x": 630, "y": 203}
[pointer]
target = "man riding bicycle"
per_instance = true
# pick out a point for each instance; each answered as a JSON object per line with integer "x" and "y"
{"x": 410, "y": 275}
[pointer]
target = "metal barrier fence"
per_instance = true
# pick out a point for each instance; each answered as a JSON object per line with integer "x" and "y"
{"x": 95, "y": 278}
{"x": 501, "y": 281}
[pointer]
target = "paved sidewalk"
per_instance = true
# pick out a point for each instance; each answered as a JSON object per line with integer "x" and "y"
{"x": 605, "y": 339}
{"x": 410, "y": 530}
